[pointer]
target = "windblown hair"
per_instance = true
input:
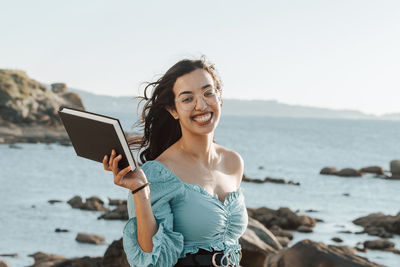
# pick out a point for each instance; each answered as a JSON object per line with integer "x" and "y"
{"x": 160, "y": 129}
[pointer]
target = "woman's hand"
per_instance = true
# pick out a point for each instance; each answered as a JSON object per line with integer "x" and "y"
{"x": 124, "y": 177}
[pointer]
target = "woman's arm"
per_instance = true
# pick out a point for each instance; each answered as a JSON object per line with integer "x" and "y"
{"x": 146, "y": 223}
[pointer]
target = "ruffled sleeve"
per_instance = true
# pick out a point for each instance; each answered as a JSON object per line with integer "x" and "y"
{"x": 168, "y": 244}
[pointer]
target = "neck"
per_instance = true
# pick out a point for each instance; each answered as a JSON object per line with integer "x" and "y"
{"x": 200, "y": 147}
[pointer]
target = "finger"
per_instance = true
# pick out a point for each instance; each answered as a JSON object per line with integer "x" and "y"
{"x": 112, "y": 156}
{"x": 118, "y": 178}
{"x": 105, "y": 162}
{"x": 114, "y": 165}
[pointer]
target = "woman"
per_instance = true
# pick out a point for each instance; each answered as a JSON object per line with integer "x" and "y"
{"x": 193, "y": 212}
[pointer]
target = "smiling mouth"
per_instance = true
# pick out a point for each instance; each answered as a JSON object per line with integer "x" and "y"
{"x": 203, "y": 119}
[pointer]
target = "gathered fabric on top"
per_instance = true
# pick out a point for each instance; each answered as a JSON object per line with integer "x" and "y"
{"x": 189, "y": 218}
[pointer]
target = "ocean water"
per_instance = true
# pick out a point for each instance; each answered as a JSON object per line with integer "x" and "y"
{"x": 293, "y": 149}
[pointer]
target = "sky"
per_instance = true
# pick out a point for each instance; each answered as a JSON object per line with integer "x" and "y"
{"x": 339, "y": 54}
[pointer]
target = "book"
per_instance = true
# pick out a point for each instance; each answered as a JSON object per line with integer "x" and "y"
{"x": 93, "y": 136}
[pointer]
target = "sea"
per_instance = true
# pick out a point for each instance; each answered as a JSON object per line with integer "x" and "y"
{"x": 290, "y": 148}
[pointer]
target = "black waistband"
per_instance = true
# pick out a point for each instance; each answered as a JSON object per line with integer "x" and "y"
{"x": 201, "y": 258}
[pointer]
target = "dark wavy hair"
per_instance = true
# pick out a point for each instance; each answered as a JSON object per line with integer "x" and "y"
{"x": 160, "y": 129}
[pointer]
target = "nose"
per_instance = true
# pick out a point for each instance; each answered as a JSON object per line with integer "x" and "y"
{"x": 200, "y": 103}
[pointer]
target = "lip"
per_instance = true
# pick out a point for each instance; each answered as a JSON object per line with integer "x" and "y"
{"x": 201, "y": 114}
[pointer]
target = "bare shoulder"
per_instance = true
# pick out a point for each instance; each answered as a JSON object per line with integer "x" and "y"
{"x": 167, "y": 157}
{"x": 232, "y": 162}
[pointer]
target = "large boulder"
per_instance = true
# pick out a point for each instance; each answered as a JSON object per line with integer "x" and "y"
{"x": 308, "y": 253}
{"x": 115, "y": 255}
{"x": 28, "y": 110}
{"x": 254, "y": 251}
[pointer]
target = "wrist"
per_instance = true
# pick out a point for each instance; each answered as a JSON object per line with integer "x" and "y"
{"x": 139, "y": 188}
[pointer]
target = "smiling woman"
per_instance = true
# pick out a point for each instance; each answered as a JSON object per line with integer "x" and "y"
{"x": 196, "y": 212}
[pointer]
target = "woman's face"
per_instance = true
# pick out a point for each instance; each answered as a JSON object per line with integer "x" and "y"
{"x": 197, "y": 102}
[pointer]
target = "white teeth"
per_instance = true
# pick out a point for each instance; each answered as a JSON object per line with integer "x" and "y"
{"x": 203, "y": 118}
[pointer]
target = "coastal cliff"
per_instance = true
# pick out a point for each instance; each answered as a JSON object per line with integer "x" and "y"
{"x": 28, "y": 109}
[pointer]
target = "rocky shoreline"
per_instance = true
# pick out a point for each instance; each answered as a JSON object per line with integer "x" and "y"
{"x": 264, "y": 243}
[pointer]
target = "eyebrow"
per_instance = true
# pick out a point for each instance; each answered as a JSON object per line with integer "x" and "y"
{"x": 190, "y": 92}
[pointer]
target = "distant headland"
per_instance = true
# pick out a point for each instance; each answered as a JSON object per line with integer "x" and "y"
{"x": 28, "y": 109}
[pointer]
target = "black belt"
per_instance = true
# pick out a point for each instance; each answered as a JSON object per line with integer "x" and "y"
{"x": 202, "y": 258}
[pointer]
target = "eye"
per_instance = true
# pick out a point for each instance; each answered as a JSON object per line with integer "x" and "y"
{"x": 209, "y": 92}
{"x": 187, "y": 99}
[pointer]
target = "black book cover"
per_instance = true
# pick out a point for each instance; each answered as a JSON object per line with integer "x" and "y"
{"x": 93, "y": 139}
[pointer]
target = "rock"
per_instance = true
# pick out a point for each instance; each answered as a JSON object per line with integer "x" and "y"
{"x": 52, "y": 201}
{"x": 254, "y": 250}
{"x": 83, "y": 262}
{"x": 395, "y": 169}
{"x": 346, "y": 194}
{"x": 115, "y": 255}
{"x": 59, "y": 230}
{"x": 308, "y": 253}
{"x": 268, "y": 180}
{"x": 93, "y": 203}
{"x": 116, "y": 202}
{"x": 278, "y": 232}
{"x": 46, "y": 260}
{"x": 283, "y": 240}
{"x": 393, "y": 250}
{"x": 337, "y": 239}
{"x": 279, "y": 181}
{"x": 59, "y": 88}
{"x": 90, "y": 238}
{"x": 304, "y": 229}
{"x": 329, "y": 171}
{"x": 311, "y": 210}
{"x": 120, "y": 213}
{"x": 373, "y": 169}
{"x": 380, "y": 244}
{"x": 390, "y": 223}
{"x": 75, "y": 202}
{"x": 377, "y": 231}
{"x": 4, "y": 264}
{"x": 283, "y": 217}
{"x": 29, "y": 110}
{"x": 345, "y": 232}
{"x": 348, "y": 172}
{"x": 263, "y": 233}
{"x": 13, "y": 255}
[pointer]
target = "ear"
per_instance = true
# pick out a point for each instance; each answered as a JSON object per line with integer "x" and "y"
{"x": 173, "y": 112}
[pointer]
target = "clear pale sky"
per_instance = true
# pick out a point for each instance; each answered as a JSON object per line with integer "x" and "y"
{"x": 341, "y": 54}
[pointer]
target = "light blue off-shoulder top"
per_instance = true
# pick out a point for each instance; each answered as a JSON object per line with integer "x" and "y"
{"x": 189, "y": 218}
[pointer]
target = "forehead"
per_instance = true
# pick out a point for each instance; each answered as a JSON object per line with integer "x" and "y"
{"x": 193, "y": 81}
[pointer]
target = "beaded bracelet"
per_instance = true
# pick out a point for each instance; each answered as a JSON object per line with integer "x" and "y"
{"x": 140, "y": 188}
